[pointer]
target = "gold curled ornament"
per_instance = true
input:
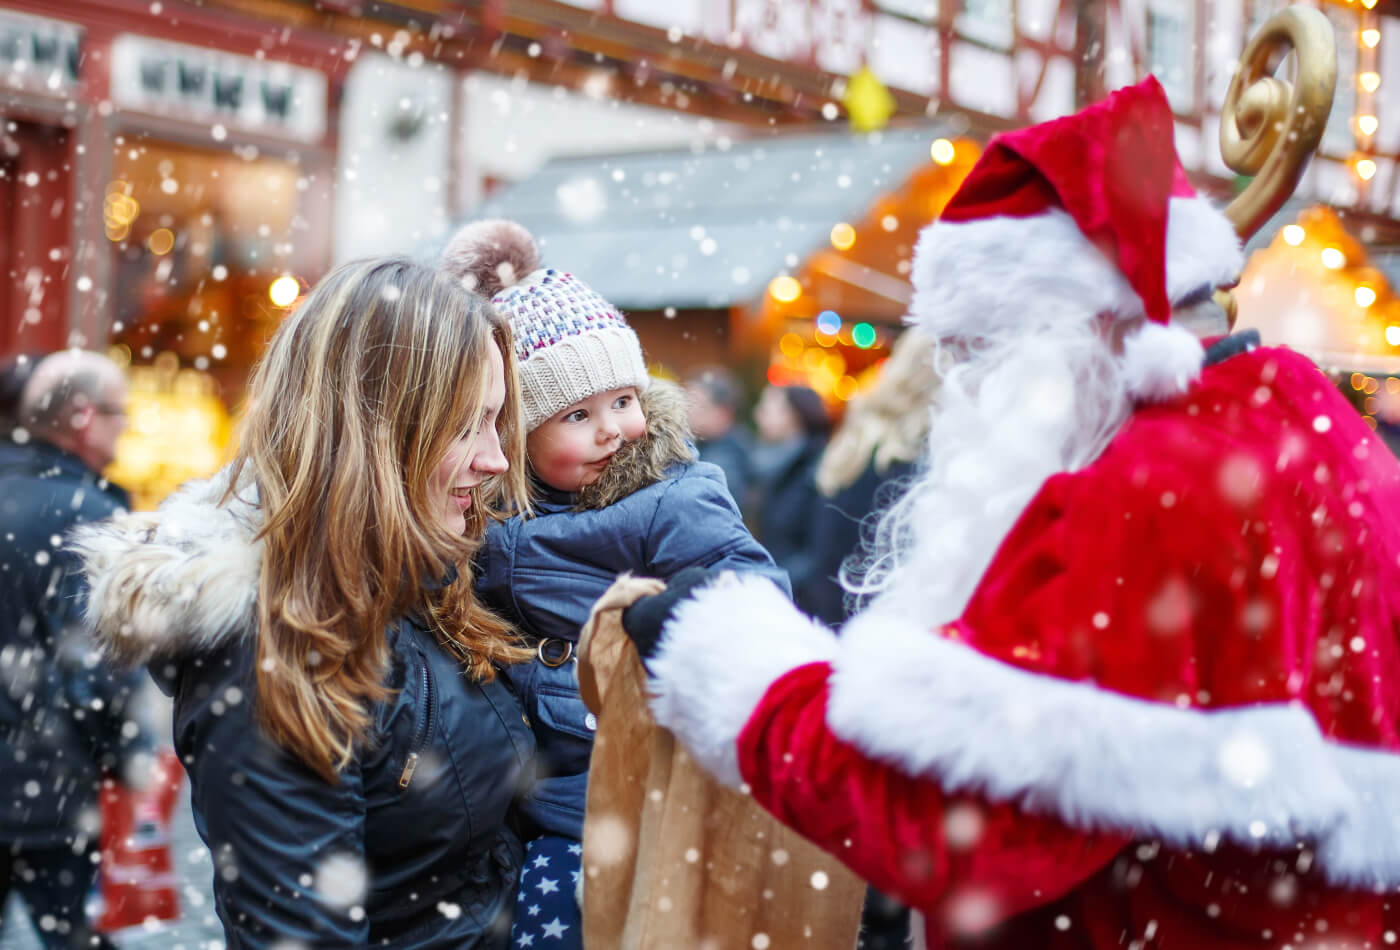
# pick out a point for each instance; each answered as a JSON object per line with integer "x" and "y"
{"x": 1269, "y": 128}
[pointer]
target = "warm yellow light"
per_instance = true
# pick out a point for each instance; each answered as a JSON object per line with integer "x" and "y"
{"x": 1365, "y": 169}
{"x": 943, "y": 151}
{"x": 1369, "y": 81}
{"x": 161, "y": 241}
{"x": 1365, "y": 296}
{"x": 284, "y": 291}
{"x": 784, "y": 289}
{"x": 1358, "y": 381}
{"x": 1370, "y": 38}
{"x": 1333, "y": 259}
{"x": 1392, "y": 335}
{"x": 1367, "y": 124}
{"x": 792, "y": 345}
{"x": 1293, "y": 234}
{"x": 1368, "y": 4}
{"x": 843, "y": 236}
{"x": 846, "y": 388}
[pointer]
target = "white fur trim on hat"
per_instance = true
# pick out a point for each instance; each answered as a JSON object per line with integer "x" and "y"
{"x": 993, "y": 273}
{"x": 1160, "y": 362}
{"x": 1202, "y": 248}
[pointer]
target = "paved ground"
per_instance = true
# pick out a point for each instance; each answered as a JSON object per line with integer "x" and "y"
{"x": 198, "y": 928}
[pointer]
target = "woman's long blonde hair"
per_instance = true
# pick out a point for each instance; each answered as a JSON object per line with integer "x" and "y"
{"x": 358, "y": 398}
{"x": 887, "y": 423}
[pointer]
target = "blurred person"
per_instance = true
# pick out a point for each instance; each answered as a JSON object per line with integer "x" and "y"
{"x": 354, "y": 754}
{"x": 714, "y": 400}
{"x": 871, "y": 458}
{"x": 65, "y": 718}
{"x": 616, "y": 488}
{"x": 793, "y": 427}
{"x": 1130, "y": 673}
{"x": 14, "y": 373}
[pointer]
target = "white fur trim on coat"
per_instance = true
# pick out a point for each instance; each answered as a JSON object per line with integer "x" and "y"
{"x": 711, "y": 672}
{"x": 1160, "y": 362}
{"x": 181, "y": 578}
{"x": 1259, "y": 776}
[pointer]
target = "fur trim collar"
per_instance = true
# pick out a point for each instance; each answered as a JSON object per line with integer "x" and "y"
{"x": 181, "y": 579}
{"x": 645, "y": 461}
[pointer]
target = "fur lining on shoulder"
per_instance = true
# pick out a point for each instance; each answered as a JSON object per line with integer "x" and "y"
{"x": 173, "y": 581}
{"x": 645, "y": 461}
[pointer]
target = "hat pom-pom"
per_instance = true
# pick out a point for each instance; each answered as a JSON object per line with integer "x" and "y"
{"x": 489, "y": 256}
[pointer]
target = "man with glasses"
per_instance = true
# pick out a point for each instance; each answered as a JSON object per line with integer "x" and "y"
{"x": 65, "y": 719}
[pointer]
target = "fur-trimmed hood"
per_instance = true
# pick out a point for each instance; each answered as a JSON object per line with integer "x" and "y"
{"x": 646, "y": 461}
{"x": 177, "y": 580}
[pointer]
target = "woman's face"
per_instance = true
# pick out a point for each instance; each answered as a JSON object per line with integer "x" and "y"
{"x": 474, "y": 456}
{"x": 775, "y": 418}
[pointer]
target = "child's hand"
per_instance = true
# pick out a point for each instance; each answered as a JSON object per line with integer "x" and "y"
{"x": 644, "y": 620}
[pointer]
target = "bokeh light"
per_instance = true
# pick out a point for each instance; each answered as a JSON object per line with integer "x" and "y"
{"x": 284, "y": 291}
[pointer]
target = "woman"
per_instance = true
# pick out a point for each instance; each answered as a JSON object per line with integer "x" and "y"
{"x": 793, "y": 426}
{"x": 353, "y": 755}
{"x": 869, "y": 461}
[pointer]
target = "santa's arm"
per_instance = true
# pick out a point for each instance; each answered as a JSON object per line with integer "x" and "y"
{"x": 745, "y": 681}
{"x": 937, "y": 772}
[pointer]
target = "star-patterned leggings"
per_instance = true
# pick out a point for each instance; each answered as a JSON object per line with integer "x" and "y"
{"x": 546, "y": 905}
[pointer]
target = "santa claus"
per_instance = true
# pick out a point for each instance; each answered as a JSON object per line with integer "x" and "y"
{"x": 1130, "y": 671}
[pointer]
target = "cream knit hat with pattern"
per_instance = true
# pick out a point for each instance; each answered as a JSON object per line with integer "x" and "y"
{"x": 570, "y": 343}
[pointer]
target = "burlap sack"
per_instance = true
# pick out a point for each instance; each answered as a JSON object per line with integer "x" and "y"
{"x": 672, "y": 860}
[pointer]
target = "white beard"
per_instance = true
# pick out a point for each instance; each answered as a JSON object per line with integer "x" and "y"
{"x": 1022, "y": 407}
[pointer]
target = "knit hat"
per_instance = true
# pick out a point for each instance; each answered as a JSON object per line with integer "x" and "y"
{"x": 570, "y": 343}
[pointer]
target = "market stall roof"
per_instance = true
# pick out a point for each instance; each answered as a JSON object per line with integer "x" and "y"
{"x": 705, "y": 229}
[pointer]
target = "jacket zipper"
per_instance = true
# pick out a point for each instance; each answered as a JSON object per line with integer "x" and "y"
{"x": 425, "y": 727}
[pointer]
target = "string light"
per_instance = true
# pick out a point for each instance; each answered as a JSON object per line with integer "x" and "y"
{"x": 1370, "y": 38}
{"x": 1333, "y": 259}
{"x": 1367, "y": 124}
{"x": 1365, "y": 169}
{"x": 1392, "y": 335}
{"x": 943, "y": 152}
{"x": 1293, "y": 235}
{"x": 843, "y": 236}
{"x": 1365, "y": 296}
{"x": 1370, "y": 81}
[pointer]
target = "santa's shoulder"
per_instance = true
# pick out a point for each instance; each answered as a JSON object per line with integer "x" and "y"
{"x": 1269, "y": 404}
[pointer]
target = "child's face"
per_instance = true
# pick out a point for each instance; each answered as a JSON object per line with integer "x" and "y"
{"x": 570, "y": 449}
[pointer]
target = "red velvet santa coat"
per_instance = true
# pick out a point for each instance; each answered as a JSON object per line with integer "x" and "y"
{"x": 1167, "y": 717}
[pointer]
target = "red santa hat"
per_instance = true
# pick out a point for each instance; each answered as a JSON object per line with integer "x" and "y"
{"x": 1092, "y": 212}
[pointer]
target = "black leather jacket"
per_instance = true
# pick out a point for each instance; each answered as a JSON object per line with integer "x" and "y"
{"x": 414, "y": 846}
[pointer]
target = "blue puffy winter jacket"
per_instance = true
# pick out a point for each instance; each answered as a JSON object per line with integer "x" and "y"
{"x": 653, "y": 512}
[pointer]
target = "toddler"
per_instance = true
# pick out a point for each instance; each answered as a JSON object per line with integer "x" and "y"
{"x": 616, "y": 487}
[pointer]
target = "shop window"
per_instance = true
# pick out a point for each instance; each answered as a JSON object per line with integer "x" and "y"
{"x": 1169, "y": 53}
{"x": 924, "y": 11}
{"x": 986, "y": 21}
{"x": 197, "y": 238}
